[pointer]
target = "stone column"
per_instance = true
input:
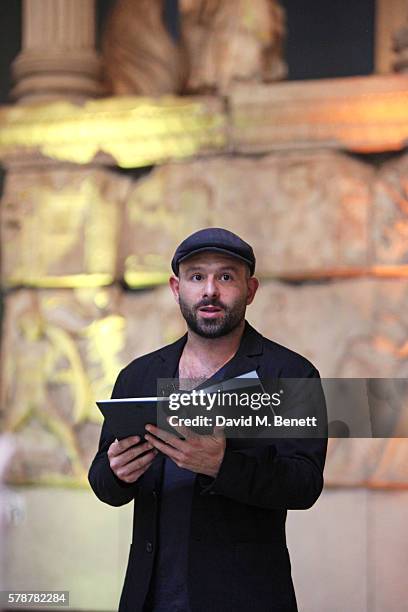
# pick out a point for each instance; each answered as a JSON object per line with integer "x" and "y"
{"x": 58, "y": 58}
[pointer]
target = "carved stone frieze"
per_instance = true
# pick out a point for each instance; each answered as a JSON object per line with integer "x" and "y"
{"x": 60, "y": 226}
{"x": 296, "y": 220}
{"x": 61, "y": 351}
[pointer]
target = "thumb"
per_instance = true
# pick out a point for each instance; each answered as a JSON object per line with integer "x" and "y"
{"x": 218, "y": 431}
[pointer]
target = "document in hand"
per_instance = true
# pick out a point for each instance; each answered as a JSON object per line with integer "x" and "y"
{"x": 128, "y": 416}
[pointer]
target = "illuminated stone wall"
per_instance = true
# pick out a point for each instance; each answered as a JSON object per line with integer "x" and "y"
{"x": 298, "y": 222}
{"x": 62, "y": 350}
{"x": 61, "y": 226}
{"x": 71, "y": 234}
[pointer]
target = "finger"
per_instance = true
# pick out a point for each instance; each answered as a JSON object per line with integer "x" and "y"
{"x": 136, "y": 474}
{"x": 141, "y": 462}
{"x": 218, "y": 431}
{"x": 136, "y": 464}
{"x": 186, "y": 432}
{"x": 130, "y": 454}
{"x": 118, "y": 446}
{"x": 165, "y": 448}
{"x": 165, "y": 436}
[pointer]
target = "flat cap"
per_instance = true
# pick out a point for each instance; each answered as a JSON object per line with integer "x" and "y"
{"x": 214, "y": 239}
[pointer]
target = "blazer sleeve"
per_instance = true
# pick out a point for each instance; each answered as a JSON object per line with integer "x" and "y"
{"x": 105, "y": 484}
{"x": 282, "y": 474}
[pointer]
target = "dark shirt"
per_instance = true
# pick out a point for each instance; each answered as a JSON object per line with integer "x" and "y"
{"x": 168, "y": 586}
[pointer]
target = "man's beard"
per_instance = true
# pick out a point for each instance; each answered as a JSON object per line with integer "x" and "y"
{"x": 213, "y": 328}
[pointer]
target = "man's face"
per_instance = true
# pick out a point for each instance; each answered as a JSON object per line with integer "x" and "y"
{"x": 213, "y": 291}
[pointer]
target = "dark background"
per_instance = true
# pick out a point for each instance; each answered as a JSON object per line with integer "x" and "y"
{"x": 326, "y": 38}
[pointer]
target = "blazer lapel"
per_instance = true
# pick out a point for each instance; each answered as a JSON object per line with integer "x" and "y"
{"x": 168, "y": 357}
{"x": 164, "y": 367}
{"x": 171, "y": 353}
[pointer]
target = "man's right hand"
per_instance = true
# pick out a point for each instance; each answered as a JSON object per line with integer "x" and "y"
{"x": 126, "y": 462}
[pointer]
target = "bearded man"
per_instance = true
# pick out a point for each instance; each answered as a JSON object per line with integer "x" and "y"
{"x": 209, "y": 511}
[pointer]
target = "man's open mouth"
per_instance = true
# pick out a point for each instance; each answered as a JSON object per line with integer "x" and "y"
{"x": 210, "y": 311}
{"x": 210, "y": 308}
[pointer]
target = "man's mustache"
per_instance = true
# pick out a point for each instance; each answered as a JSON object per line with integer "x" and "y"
{"x": 210, "y": 303}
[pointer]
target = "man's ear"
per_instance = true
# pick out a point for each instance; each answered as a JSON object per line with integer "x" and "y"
{"x": 174, "y": 286}
{"x": 253, "y": 284}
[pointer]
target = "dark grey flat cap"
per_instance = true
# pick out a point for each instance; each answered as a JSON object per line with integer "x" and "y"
{"x": 214, "y": 239}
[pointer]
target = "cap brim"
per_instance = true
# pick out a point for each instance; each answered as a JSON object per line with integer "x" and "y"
{"x": 217, "y": 250}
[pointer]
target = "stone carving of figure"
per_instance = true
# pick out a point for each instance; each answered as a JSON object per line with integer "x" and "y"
{"x": 139, "y": 55}
{"x": 221, "y": 41}
{"x": 400, "y": 45}
{"x": 232, "y": 40}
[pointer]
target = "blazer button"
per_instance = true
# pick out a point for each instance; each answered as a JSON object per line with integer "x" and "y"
{"x": 149, "y": 547}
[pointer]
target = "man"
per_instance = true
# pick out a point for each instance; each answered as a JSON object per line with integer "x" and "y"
{"x": 209, "y": 512}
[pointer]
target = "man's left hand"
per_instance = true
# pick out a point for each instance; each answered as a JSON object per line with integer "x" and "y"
{"x": 202, "y": 454}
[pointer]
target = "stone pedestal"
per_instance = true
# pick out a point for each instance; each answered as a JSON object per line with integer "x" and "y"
{"x": 58, "y": 59}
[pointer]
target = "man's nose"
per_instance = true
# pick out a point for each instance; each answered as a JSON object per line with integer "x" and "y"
{"x": 211, "y": 287}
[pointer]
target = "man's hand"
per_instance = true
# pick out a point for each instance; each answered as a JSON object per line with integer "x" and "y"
{"x": 126, "y": 462}
{"x": 200, "y": 454}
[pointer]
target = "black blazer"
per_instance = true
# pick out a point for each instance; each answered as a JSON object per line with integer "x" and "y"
{"x": 238, "y": 559}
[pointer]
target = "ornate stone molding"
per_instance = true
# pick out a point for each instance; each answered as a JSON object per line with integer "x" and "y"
{"x": 364, "y": 114}
{"x": 128, "y": 132}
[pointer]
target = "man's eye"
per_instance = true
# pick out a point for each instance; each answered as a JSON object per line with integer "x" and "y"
{"x": 196, "y": 276}
{"x": 226, "y": 276}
